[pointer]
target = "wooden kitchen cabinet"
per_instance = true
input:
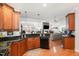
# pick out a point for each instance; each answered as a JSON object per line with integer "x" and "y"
{"x": 69, "y": 43}
{"x": 18, "y": 48}
{"x": 25, "y": 44}
{"x": 16, "y": 18}
{"x": 22, "y": 47}
{"x": 33, "y": 43}
{"x": 30, "y": 43}
{"x": 37, "y": 42}
{"x": 9, "y": 18}
{"x": 14, "y": 49}
{"x": 71, "y": 21}
{"x": 1, "y": 22}
{"x": 6, "y": 14}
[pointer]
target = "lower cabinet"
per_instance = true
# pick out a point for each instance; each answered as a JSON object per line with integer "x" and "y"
{"x": 30, "y": 43}
{"x": 14, "y": 49}
{"x": 69, "y": 43}
{"x": 18, "y": 48}
{"x": 22, "y": 47}
{"x": 33, "y": 43}
{"x": 25, "y": 44}
{"x": 37, "y": 42}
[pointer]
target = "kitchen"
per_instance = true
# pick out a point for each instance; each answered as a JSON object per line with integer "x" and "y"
{"x": 43, "y": 29}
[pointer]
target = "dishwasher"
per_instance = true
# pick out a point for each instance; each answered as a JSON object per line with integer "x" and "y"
{"x": 44, "y": 42}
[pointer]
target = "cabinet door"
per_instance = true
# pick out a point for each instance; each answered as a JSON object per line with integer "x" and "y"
{"x": 16, "y": 18}
{"x": 1, "y": 18}
{"x": 22, "y": 47}
{"x": 65, "y": 43}
{"x": 26, "y": 44}
{"x": 7, "y": 14}
{"x": 69, "y": 43}
{"x": 72, "y": 43}
{"x": 37, "y": 42}
{"x": 14, "y": 49}
{"x": 71, "y": 19}
{"x": 19, "y": 49}
{"x": 30, "y": 43}
{"x": 33, "y": 43}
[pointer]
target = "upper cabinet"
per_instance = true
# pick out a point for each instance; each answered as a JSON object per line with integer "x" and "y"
{"x": 9, "y": 19}
{"x": 6, "y": 17}
{"x": 1, "y": 24}
{"x": 71, "y": 21}
{"x": 16, "y": 19}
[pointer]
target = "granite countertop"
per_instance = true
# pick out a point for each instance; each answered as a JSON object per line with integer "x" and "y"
{"x": 65, "y": 35}
{"x": 11, "y": 36}
{"x": 68, "y": 35}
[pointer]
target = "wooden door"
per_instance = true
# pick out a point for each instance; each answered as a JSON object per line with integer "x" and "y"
{"x": 37, "y": 42}
{"x": 16, "y": 18}
{"x": 14, "y": 49}
{"x": 69, "y": 43}
{"x": 19, "y": 48}
{"x": 9, "y": 19}
{"x": 71, "y": 21}
{"x": 30, "y": 43}
{"x": 1, "y": 18}
{"x": 33, "y": 42}
{"x": 72, "y": 43}
{"x": 26, "y": 44}
{"x": 8, "y": 15}
{"x": 22, "y": 47}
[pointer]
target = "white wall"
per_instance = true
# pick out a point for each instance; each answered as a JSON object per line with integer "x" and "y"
{"x": 37, "y": 23}
{"x": 77, "y": 30}
{"x": 31, "y": 24}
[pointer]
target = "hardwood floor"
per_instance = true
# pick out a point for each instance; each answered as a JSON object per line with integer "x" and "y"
{"x": 56, "y": 49}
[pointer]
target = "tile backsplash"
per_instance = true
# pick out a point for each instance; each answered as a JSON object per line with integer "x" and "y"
{"x": 4, "y": 34}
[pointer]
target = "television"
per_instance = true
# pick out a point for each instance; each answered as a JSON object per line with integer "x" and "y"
{"x": 46, "y": 27}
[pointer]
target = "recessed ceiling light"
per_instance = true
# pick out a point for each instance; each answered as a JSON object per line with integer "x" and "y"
{"x": 44, "y": 5}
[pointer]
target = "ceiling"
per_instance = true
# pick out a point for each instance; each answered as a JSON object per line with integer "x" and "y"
{"x": 38, "y": 11}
